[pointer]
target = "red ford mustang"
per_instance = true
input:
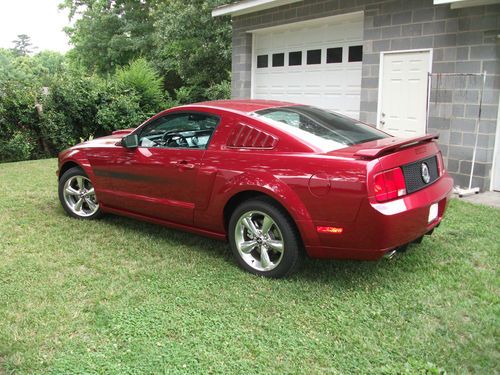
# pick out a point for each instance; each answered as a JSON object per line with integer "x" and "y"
{"x": 278, "y": 180}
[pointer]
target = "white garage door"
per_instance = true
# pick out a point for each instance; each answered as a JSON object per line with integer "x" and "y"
{"x": 313, "y": 62}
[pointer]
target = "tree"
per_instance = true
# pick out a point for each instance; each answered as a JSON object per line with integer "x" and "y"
{"x": 22, "y": 45}
{"x": 110, "y": 34}
{"x": 193, "y": 43}
{"x": 188, "y": 47}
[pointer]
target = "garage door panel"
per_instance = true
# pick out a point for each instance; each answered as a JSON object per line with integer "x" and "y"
{"x": 335, "y": 86}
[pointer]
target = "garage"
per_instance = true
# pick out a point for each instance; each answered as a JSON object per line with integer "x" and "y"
{"x": 312, "y": 62}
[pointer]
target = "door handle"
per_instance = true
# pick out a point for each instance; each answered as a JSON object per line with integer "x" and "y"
{"x": 183, "y": 164}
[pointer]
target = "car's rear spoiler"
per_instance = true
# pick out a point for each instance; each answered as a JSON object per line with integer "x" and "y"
{"x": 396, "y": 144}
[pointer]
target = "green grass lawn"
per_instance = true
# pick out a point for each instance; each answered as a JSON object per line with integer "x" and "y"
{"x": 121, "y": 296}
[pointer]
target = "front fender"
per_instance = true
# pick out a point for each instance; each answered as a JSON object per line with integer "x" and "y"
{"x": 75, "y": 156}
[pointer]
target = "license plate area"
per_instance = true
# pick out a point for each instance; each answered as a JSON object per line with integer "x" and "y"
{"x": 433, "y": 213}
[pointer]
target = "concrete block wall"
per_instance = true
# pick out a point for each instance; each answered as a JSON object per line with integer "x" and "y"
{"x": 463, "y": 41}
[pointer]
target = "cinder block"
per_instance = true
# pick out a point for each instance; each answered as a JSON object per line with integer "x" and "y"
{"x": 401, "y": 17}
{"x": 391, "y": 32}
{"x": 463, "y": 53}
{"x": 383, "y": 20}
{"x": 485, "y": 52}
{"x": 468, "y": 66}
{"x": 372, "y": 34}
{"x": 411, "y": 30}
{"x": 455, "y": 138}
{"x": 400, "y": 44}
{"x": 451, "y": 25}
{"x": 485, "y": 141}
{"x": 460, "y": 152}
{"x": 445, "y": 40}
{"x": 469, "y": 38}
{"x": 458, "y": 110}
{"x": 463, "y": 125}
{"x": 452, "y": 165}
{"x": 487, "y": 126}
{"x": 422, "y": 42}
{"x": 432, "y": 28}
{"x": 422, "y": 15}
{"x": 381, "y": 45}
{"x": 439, "y": 123}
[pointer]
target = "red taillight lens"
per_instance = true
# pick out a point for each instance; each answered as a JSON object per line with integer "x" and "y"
{"x": 440, "y": 163}
{"x": 389, "y": 185}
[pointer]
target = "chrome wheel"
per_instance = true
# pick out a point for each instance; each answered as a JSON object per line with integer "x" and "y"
{"x": 259, "y": 240}
{"x": 79, "y": 196}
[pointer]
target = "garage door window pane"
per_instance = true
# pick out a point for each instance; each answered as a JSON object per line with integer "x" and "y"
{"x": 279, "y": 59}
{"x": 295, "y": 58}
{"x": 355, "y": 53}
{"x": 314, "y": 57}
{"x": 334, "y": 55}
{"x": 262, "y": 61}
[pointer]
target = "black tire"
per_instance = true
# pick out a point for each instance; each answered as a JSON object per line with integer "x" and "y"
{"x": 87, "y": 212}
{"x": 288, "y": 261}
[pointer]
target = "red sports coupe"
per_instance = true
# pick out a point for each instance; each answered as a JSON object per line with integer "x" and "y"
{"x": 278, "y": 180}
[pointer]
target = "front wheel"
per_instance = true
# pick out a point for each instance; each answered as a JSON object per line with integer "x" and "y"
{"x": 77, "y": 195}
{"x": 264, "y": 239}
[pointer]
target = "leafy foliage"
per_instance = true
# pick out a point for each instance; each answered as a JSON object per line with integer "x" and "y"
{"x": 141, "y": 77}
{"x": 37, "y": 122}
{"x": 180, "y": 38}
{"x": 130, "y": 59}
{"x": 110, "y": 34}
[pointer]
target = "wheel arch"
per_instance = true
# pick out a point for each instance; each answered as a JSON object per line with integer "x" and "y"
{"x": 67, "y": 166}
{"x": 252, "y": 193}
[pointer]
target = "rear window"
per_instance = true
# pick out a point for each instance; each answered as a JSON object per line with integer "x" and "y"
{"x": 327, "y": 130}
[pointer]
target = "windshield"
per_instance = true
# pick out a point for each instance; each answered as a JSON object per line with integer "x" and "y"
{"x": 327, "y": 130}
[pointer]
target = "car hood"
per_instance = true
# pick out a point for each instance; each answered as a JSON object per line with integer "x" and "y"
{"x": 106, "y": 141}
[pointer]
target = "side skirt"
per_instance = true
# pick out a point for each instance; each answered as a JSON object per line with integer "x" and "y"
{"x": 165, "y": 223}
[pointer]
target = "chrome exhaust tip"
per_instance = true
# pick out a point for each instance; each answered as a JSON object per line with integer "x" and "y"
{"x": 390, "y": 254}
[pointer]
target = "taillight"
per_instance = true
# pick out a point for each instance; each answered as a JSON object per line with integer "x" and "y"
{"x": 389, "y": 185}
{"x": 440, "y": 164}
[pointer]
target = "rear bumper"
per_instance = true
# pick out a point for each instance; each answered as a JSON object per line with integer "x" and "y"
{"x": 381, "y": 227}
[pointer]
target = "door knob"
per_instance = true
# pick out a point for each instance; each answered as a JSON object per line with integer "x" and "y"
{"x": 183, "y": 164}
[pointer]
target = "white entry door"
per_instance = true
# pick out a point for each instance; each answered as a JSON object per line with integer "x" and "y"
{"x": 403, "y": 96}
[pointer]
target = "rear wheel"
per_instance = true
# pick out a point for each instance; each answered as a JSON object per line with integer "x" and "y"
{"x": 264, "y": 239}
{"x": 77, "y": 195}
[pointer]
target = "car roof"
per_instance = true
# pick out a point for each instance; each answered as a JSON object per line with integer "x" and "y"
{"x": 243, "y": 106}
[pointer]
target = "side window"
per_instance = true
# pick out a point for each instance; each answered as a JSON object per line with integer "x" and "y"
{"x": 179, "y": 130}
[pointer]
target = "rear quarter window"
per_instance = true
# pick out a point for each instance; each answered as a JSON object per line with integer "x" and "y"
{"x": 328, "y": 130}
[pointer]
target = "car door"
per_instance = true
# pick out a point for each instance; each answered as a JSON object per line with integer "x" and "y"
{"x": 157, "y": 179}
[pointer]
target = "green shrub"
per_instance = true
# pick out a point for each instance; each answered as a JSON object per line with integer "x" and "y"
{"x": 141, "y": 77}
{"x": 19, "y": 146}
{"x": 118, "y": 109}
{"x": 219, "y": 91}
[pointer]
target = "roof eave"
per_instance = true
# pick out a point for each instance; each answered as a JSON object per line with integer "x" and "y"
{"x": 248, "y": 6}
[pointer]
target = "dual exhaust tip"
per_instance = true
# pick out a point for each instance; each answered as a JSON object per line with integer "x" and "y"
{"x": 401, "y": 249}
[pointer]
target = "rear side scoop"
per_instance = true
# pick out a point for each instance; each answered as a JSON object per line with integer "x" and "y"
{"x": 387, "y": 145}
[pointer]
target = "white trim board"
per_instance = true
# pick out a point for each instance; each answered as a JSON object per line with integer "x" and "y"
{"x": 315, "y": 21}
{"x": 248, "y": 6}
{"x": 494, "y": 167}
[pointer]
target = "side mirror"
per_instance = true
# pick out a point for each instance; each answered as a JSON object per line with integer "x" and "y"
{"x": 130, "y": 141}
